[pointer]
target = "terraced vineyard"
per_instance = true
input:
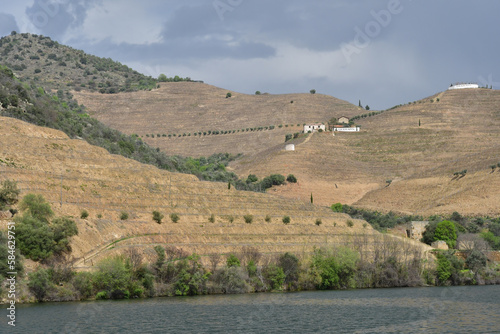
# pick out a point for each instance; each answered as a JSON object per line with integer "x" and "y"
{"x": 75, "y": 176}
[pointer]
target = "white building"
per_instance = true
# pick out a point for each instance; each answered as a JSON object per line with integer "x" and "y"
{"x": 463, "y": 86}
{"x": 290, "y": 147}
{"x": 353, "y": 129}
{"x": 314, "y": 127}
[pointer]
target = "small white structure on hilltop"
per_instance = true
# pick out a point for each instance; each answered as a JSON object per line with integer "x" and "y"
{"x": 461, "y": 85}
{"x": 290, "y": 147}
{"x": 314, "y": 127}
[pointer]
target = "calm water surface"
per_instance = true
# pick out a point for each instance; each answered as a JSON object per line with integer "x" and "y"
{"x": 472, "y": 309}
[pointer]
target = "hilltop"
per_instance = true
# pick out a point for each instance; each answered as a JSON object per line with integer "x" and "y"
{"x": 39, "y": 59}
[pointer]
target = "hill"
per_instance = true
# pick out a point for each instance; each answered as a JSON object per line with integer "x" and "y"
{"x": 75, "y": 176}
{"x": 423, "y": 142}
{"x": 458, "y": 130}
{"x": 173, "y": 117}
{"x": 39, "y": 59}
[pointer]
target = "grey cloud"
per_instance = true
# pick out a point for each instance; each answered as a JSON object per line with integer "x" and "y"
{"x": 54, "y": 18}
{"x": 7, "y": 24}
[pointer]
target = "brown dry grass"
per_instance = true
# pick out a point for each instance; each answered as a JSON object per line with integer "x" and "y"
{"x": 187, "y": 107}
{"x": 83, "y": 177}
{"x": 461, "y": 131}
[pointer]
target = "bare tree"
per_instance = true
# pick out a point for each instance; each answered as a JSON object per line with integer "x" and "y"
{"x": 214, "y": 259}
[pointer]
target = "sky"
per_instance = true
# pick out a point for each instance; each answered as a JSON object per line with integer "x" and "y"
{"x": 382, "y": 52}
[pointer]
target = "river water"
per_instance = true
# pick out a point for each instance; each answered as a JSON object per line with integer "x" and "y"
{"x": 468, "y": 309}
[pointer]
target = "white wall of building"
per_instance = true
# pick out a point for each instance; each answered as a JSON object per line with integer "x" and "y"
{"x": 314, "y": 127}
{"x": 463, "y": 86}
{"x": 355, "y": 129}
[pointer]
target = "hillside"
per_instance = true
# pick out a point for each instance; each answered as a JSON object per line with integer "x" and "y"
{"x": 183, "y": 110}
{"x": 76, "y": 176}
{"x": 39, "y": 59}
{"x": 459, "y": 132}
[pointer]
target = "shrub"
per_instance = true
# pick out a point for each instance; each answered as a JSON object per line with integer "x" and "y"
{"x": 318, "y": 222}
{"x": 275, "y": 276}
{"x": 123, "y": 215}
{"x": 291, "y": 178}
{"x": 350, "y": 223}
{"x": 233, "y": 261}
{"x": 248, "y": 219}
{"x": 286, "y": 220}
{"x": 228, "y": 95}
{"x": 257, "y": 93}
{"x": 157, "y": 216}
{"x": 337, "y": 207}
{"x": 267, "y": 219}
{"x": 84, "y": 214}
{"x": 312, "y": 91}
{"x": 447, "y": 232}
{"x": 231, "y": 219}
{"x": 36, "y": 207}
{"x": 211, "y": 219}
{"x": 174, "y": 217}
{"x": 252, "y": 178}
{"x": 39, "y": 283}
{"x": 9, "y": 193}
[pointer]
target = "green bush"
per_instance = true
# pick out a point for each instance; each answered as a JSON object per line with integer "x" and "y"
{"x": 447, "y": 232}
{"x": 274, "y": 276}
{"x": 211, "y": 219}
{"x": 248, "y": 219}
{"x": 318, "y": 222}
{"x": 36, "y": 207}
{"x": 228, "y": 95}
{"x": 336, "y": 207}
{"x": 157, "y": 217}
{"x": 174, "y": 217}
{"x": 286, "y": 220}
{"x": 9, "y": 193}
{"x": 233, "y": 261}
{"x": 84, "y": 214}
{"x": 37, "y": 237}
{"x": 291, "y": 178}
{"x": 113, "y": 277}
{"x": 123, "y": 215}
{"x": 267, "y": 219}
{"x": 350, "y": 223}
{"x": 39, "y": 283}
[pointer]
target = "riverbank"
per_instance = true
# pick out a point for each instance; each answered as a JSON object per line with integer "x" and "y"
{"x": 390, "y": 263}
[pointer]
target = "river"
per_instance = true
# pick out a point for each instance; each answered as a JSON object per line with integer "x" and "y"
{"x": 464, "y": 309}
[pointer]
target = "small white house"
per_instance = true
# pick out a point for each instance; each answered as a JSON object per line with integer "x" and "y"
{"x": 463, "y": 86}
{"x": 290, "y": 147}
{"x": 314, "y": 127}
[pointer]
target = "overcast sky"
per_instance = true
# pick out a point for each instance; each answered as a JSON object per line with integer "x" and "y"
{"x": 383, "y": 52}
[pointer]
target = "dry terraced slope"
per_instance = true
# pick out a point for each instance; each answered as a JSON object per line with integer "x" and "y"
{"x": 460, "y": 131}
{"x": 74, "y": 176}
{"x": 188, "y": 107}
